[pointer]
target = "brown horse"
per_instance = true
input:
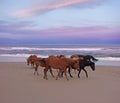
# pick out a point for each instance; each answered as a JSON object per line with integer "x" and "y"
{"x": 74, "y": 65}
{"x": 41, "y": 62}
{"x": 56, "y": 62}
{"x": 31, "y": 59}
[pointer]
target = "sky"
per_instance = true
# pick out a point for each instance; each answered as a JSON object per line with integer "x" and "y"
{"x": 59, "y": 22}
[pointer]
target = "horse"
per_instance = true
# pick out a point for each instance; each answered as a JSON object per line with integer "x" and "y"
{"x": 87, "y": 60}
{"x": 59, "y": 63}
{"x": 41, "y": 62}
{"x": 82, "y": 66}
{"x": 31, "y": 59}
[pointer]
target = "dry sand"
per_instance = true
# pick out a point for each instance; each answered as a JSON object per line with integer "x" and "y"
{"x": 19, "y": 85}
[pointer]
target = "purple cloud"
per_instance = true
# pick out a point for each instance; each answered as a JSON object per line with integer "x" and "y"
{"x": 26, "y": 30}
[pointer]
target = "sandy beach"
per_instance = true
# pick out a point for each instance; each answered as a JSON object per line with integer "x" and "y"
{"x": 19, "y": 85}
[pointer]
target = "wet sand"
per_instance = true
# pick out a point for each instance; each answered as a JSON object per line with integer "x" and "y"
{"x": 19, "y": 85}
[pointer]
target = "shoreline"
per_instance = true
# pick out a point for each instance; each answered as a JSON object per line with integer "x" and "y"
{"x": 18, "y": 84}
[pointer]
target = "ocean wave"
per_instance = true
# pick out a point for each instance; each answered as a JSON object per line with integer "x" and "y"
{"x": 21, "y": 55}
{"x": 44, "y": 56}
{"x": 109, "y": 58}
{"x": 102, "y": 52}
{"x": 54, "y": 49}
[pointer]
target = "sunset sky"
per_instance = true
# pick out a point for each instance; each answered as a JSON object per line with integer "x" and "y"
{"x": 59, "y": 21}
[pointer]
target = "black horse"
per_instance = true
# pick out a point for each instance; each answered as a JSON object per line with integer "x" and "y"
{"x": 88, "y": 60}
{"x": 82, "y": 66}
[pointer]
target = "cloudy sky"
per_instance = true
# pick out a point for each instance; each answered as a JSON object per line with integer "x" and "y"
{"x": 59, "y": 22}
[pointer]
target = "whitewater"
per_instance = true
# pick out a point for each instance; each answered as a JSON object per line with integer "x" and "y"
{"x": 105, "y": 53}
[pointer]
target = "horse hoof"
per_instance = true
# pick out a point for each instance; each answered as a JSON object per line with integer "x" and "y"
{"x": 71, "y": 76}
{"x": 53, "y": 76}
{"x": 67, "y": 79}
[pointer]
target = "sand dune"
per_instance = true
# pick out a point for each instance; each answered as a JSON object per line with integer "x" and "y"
{"x": 19, "y": 85}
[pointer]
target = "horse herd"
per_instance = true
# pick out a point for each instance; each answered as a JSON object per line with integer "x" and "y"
{"x": 62, "y": 64}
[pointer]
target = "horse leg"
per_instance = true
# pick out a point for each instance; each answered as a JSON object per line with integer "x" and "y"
{"x": 58, "y": 74}
{"x": 36, "y": 70}
{"x": 45, "y": 73}
{"x": 62, "y": 73}
{"x": 51, "y": 72}
{"x": 32, "y": 63}
{"x": 70, "y": 72}
{"x": 65, "y": 74}
{"x": 85, "y": 72}
{"x": 79, "y": 73}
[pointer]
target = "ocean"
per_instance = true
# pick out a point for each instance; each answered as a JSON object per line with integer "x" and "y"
{"x": 107, "y": 54}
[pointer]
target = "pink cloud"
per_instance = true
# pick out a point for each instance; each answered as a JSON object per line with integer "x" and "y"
{"x": 96, "y": 32}
{"x": 27, "y": 29}
{"x": 80, "y": 30}
{"x": 48, "y": 6}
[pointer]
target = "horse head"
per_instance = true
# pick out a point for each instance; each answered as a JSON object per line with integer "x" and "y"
{"x": 92, "y": 65}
